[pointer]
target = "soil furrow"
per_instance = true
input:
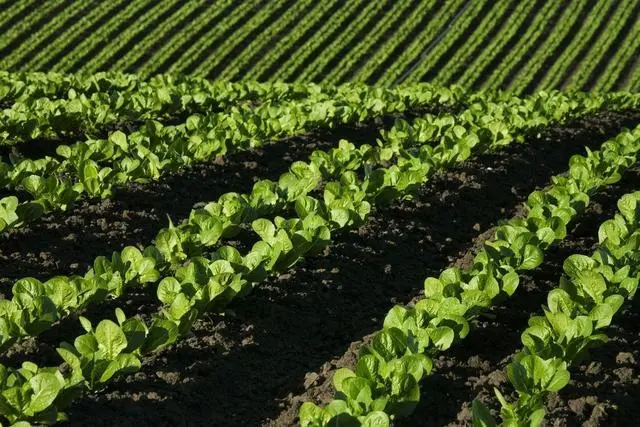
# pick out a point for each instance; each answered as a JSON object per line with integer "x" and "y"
{"x": 253, "y": 364}
{"x": 473, "y": 368}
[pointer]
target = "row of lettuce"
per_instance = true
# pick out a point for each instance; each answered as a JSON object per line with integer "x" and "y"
{"x": 54, "y": 106}
{"x": 589, "y": 294}
{"x": 95, "y": 167}
{"x": 193, "y": 277}
{"x": 385, "y": 384}
{"x": 553, "y": 45}
{"x": 475, "y": 44}
{"x": 483, "y": 126}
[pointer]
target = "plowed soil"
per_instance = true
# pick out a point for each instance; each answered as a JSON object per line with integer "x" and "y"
{"x": 254, "y": 364}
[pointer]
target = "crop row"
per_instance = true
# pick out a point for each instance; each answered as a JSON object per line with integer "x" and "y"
{"x": 305, "y": 54}
{"x": 30, "y": 86}
{"x": 24, "y": 86}
{"x": 382, "y": 27}
{"x": 36, "y": 38}
{"x": 291, "y": 42}
{"x": 182, "y": 39}
{"x": 156, "y": 30}
{"x": 77, "y": 114}
{"x": 205, "y": 227}
{"x": 239, "y": 66}
{"x": 455, "y": 66}
{"x": 209, "y": 281}
{"x": 624, "y": 12}
{"x": 36, "y": 14}
{"x": 590, "y": 293}
{"x": 38, "y": 55}
{"x": 152, "y": 12}
{"x": 429, "y": 33}
{"x": 493, "y": 49}
{"x": 316, "y": 69}
{"x": 580, "y": 42}
{"x": 381, "y": 42}
{"x": 95, "y": 167}
{"x": 70, "y": 58}
{"x": 623, "y": 58}
{"x": 546, "y": 15}
{"x": 386, "y": 381}
{"x": 384, "y": 53}
{"x": 213, "y": 64}
{"x": 455, "y": 33}
{"x": 535, "y": 66}
{"x": 595, "y": 55}
{"x": 10, "y": 13}
{"x": 202, "y": 49}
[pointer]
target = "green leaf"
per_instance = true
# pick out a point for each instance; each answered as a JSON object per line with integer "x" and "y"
{"x": 442, "y": 337}
{"x": 120, "y": 316}
{"x": 376, "y": 419}
{"x": 265, "y": 229}
{"x": 111, "y": 339}
{"x": 532, "y": 257}
{"x": 161, "y": 333}
{"x": 628, "y": 205}
{"x": 311, "y": 415}
{"x": 546, "y": 235}
{"x": 536, "y": 418}
{"x": 46, "y": 387}
{"x": 395, "y": 317}
{"x": 15, "y": 399}
{"x": 34, "y": 184}
{"x": 574, "y": 264}
{"x": 592, "y": 283}
{"x": 168, "y": 289}
{"x": 389, "y": 343}
{"x": 122, "y": 364}
{"x": 481, "y": 415}
{"x": 339, "y": 376}
{"x": 560, "y": 300}
{"x": 340, "y": 216}
{"x": 90, "y": 171}
{"x": 86, "y": 345}
{"x": 559, "y": 377}
{"x": 367, "y": 367}
{"x": 135, "y": 331}
{"x": 29, "y": 211}
{"x": 602, "y": 314}
{"x": 358, "y": 390}
{"x": 70, "y": 358}
{"x": 510, "y": 282}
{"x": 120, "y": 139}
{"x": 63, "y": 151}
{"x": 86, "y": 323}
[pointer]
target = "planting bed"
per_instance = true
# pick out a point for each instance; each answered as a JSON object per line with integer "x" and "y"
{"x": 255, "y": 364}
{"x": 250, "y": 241}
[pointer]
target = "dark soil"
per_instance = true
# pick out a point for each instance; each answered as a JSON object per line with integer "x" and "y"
{"x": 278, "y": 347}
{"x": 486, "y": 196}
{"x": 472, "y": 369}
{"x": 67, "y": 242}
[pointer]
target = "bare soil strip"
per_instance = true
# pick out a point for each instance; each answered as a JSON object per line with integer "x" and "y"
{"x": 278, "y": 347}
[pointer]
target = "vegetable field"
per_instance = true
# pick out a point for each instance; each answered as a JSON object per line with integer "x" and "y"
{"x": 319, "y": 214}
{"x": 479, "y": 44}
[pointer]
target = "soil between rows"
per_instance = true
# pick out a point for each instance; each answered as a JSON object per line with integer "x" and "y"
{"x": 472, "y": 369}
{"x": 68, "y": 242}
{"x": 253, "y": 365}
{"x": 529, "y": 167}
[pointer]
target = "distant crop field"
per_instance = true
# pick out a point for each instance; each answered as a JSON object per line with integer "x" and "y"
{"x": 522, "y": 46}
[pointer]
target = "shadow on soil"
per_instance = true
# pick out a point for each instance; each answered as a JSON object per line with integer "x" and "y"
{"x": 254, "y": 364}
